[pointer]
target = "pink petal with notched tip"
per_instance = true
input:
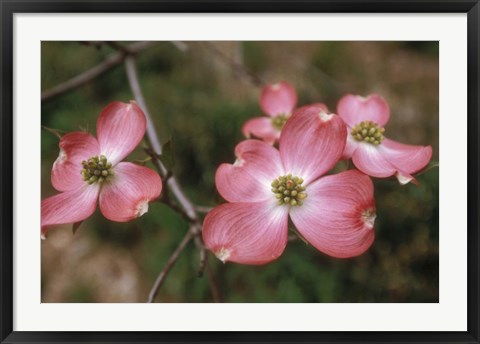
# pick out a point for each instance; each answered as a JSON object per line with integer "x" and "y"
{"x": 249, "y": 178}
{"x": 74, "y": 148}
{"x": 407, "y": 158}
{"x": 391, "y": 158}
{"x": 356, "y": 109}
{"x": 338, "y": 215}
{"x": 261, "y": 127}
{"x": 312, "y": 142}
{"x": 405, "y": 178}
{"x": 370, "y": 160}
{"x": 69, "y": 206}
{"x": 278, "y": 99}
{"x": 321, "y": 106}
{"x": 120, "y": 128}
{"x": 127, "y": 195}
{"x": 247, "y": 233}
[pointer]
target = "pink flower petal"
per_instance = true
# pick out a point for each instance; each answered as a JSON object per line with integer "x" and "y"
{"x": 391, "y": 158}
{"x": 278, "y": 99}
{"x": 261, "y": 127}
{"x": 338, "y": 215}
{"x": 321, "y": 106}
{"x": 127, "y": 195}
{"x": 350, "y": 147}
{"x": 407, "y": 158}
{"x": 405, "y": 178}
{"x": 74, "y": 148}
{"x": 120, "y": 128}
{"x": 246, "y": 233}
{"x": 312, "y": 142}
{"x": 356, "y": 109}
{"x": 370, "y": 160}
{"x": 69, "y": 206}
{"x": 249, "y": 178}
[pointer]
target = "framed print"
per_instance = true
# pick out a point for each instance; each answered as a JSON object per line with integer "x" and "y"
{"x": 242, "y": 172}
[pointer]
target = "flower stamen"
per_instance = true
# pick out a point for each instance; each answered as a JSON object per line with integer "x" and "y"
{"x": 369, "y": 132}
{"x": 96, "y": 169}
{"x": 279, "y": 121}
{"x": 288, "y": 190}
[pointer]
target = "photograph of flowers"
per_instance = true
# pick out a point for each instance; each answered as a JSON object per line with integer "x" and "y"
{"x": 240, "y": 172}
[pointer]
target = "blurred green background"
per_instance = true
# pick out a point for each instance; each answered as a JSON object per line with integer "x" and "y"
{"x": 196, "y": 98}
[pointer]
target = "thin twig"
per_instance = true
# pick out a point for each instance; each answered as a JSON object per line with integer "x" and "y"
{"x": 94, "y": 72}
{"x": 170, "y": 263}
{"x": 202, "y": 209}
{"x": 58, "y": 133}
{"x": 202, "y": 255}
{"x": 118, "y": 47}
{"x": 293, "y": 237}
{"x": 95, "y": 44}
{"x": 216, "y": 294}
{"x": 182, "y": 46}
{"x": 238, "y": 68}
{"x": 165, "y": 199}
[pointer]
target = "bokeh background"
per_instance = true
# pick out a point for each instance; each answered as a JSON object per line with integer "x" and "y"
{"x": 196, "y": 97}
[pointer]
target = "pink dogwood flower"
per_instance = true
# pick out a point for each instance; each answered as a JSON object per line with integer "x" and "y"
{"x": 88, "y": 169}
{"x": 277, "y": 101}
{"x": 371, "y": 152}
{"x": 266, "y": 186}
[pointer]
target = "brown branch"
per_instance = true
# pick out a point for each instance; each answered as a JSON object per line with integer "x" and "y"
{"x": 202, "y": 209}
{"x": 170, "y": 263}
{"x": 165, "y": 199}
{"x": 118, "y": 47}
{"x": 182, "y": 46}
{"x": 238, "y": 68}
{"x": 293, "y": 237}
{"x": 202, "y": 254}
{"x": 94, "y": 72}
{"x": 216, "y": 294}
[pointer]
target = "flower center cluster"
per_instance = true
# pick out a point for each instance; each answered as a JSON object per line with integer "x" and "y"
{"x": 279, "y": 121}
{"x": 96, "y": 169}
{"x": 289, "y": 190}
{"x": 368, "y": 131}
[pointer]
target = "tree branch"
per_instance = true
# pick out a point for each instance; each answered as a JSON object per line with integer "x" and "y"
{"x": 203, "y": 209}
{"x": 238, "y": 68}
{"x": 94, "y": 72}
{"x": 202, "y": 259}
{"x": 170, "y": 263}
{"x": 216, "y": 294}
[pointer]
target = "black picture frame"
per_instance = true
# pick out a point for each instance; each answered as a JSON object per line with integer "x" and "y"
{"x": 10, "y": 7}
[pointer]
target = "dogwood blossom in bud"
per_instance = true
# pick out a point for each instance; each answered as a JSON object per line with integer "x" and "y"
{"x": 266, "y": 186}
{"x": 278, "y": 102}
{"x": 88, "y": 169}
{"x": 371, "y": 152}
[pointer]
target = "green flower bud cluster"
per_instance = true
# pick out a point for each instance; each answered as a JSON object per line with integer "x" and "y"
{"x": 368, "y": 131}
{"x": 96, "y": 169}
{"x": 279, "y": 121}
{"x": 289, "y": 190}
